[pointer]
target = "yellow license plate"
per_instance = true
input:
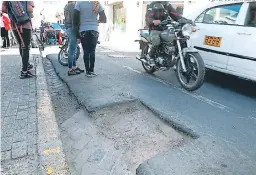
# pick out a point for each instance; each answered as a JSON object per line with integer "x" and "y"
{"x": 212, "y": 41}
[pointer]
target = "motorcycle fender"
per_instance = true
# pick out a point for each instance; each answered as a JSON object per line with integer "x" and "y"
{"x": 189, "y": 49}
{"x": 142, "y": 42}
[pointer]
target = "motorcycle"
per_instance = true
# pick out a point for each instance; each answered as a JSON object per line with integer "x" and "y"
{"x": 63, "y": 54}
{"x": 174, "y": 52}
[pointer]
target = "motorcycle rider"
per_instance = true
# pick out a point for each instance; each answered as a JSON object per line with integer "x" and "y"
{"x": 158, "y": 11}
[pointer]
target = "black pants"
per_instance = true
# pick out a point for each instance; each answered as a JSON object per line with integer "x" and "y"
{"x": 89, "y": 41}
{"x": 24, "y": 50}
{"x": 5, "y": 36}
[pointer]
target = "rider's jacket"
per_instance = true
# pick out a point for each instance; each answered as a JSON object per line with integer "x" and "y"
{"x": 153, "y": 14}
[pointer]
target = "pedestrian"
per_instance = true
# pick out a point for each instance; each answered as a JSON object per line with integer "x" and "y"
{"x": 5, "y": 28}
{"x": 22, "y": 32}
{"x": 85, "y": 24}
{"x": 72, "y": 49}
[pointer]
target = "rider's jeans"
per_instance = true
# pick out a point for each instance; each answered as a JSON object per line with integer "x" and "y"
{"x": 72, "y": 48}
{"x": 155, "y": 39}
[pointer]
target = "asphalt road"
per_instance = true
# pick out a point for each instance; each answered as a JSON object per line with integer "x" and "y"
{"x": 222, "y": 113}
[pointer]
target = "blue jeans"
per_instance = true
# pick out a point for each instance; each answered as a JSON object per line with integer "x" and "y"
{"x": 72, "y": 48}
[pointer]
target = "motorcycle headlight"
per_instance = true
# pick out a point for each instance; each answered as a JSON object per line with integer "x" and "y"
{"x": 187, "y": 29}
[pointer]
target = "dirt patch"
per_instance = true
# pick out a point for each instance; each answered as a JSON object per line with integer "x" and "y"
{"x": 136, "y": 133}
{"x": 113, "y": 140}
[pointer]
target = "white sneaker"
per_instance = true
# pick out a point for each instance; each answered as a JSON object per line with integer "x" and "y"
{"x": 93, "y": 74}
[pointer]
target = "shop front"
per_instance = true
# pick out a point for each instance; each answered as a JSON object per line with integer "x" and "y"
{"x": 119, "y": 17}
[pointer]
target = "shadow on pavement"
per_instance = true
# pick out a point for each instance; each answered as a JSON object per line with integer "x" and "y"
{"x": 238, "y": 85}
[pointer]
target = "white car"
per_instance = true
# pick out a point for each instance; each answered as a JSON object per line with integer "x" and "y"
{"x": 226, "y": 38}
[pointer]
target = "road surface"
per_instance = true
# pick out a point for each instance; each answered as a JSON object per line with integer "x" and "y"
{"x": 221, "y": 115}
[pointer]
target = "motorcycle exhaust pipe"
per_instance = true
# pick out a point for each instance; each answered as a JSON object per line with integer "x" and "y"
{"x": 142, "y": 60}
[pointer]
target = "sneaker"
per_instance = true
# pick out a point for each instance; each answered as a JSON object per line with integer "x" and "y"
{"x": 79, "y": 70}
{"x": 23, "y": 75}
{"x": 30, "y": 74}
{"x": 88, "y": 74}
{"x": 26, "y": 74}
{"x": 93, "y": 74}
{"x": 30, "y": 66}
{"x": 72, "y": 72}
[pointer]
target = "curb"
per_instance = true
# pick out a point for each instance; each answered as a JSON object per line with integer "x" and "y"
{"x": 52, "y": 159}
{"x": 173, "y": 122}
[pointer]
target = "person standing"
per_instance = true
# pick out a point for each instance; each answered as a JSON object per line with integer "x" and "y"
{"x": 2, "y": 28}
{"x": 68, "y": 13}
{"x": 22, "y": 32}
{"x": 5, "y": 28}
{"x": 85, "y": 24}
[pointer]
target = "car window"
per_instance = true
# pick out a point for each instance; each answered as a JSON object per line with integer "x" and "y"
{"x": 200, "y": 18}
{"x": 226, "y": 14}
{"x": 250, "y": 19}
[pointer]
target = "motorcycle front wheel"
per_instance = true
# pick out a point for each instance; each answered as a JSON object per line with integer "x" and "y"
{"x": 148, "y": 68}
{"x": 193, "y": 79}
{"x": 63, "y": 55}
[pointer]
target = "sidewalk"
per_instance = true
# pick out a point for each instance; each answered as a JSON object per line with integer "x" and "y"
{"x": 18, "y": 118}
{"x": 26, "y": 138}
{"x": 121, "y": 46}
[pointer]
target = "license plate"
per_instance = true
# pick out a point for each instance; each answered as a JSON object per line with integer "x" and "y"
{"x": 212, "y": 41}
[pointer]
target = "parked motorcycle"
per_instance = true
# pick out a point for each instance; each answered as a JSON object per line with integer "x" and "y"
{"x": 63, "y": 54}
{"x": 174, "y": 52}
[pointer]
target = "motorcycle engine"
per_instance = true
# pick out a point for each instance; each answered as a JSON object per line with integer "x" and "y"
{"x": 160, "y": 60}
{"x": 166, "y": 57}
{"x": 169, "y": 49}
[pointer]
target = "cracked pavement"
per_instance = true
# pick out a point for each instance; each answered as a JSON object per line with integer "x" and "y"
{"x": 221, "y": 113}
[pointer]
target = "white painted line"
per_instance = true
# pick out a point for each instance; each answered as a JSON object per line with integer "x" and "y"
{"x": 43, "y": 54}
{"x": 131, "y": 69}
{"x": 252, "y": 118}
{"x": 192, "y": 94}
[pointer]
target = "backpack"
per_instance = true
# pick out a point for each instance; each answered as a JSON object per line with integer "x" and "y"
{"x": 17, "y": 11}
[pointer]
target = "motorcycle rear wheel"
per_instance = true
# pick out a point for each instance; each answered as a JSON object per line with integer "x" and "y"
{"x": 63, "y": 55}
{"x": 148, "y": 68}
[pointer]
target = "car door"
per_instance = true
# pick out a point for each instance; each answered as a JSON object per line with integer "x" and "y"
{"x": 242, "y": 61}
{"x": 215, "y": 33}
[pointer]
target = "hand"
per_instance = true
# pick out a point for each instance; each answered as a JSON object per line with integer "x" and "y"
{"x": 156, "y": 22}
{"x": 190, "y": 21}
{"x": 30, "y": 9}
{"x": 78, "y": 41}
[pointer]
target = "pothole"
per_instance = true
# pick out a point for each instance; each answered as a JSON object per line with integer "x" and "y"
{"x": 135, "y": 133}
{"x": 113, "y": 140}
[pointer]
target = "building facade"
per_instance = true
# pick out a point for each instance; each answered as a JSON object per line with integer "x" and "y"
{"x": 53, "y": 11}
{"x": 126, "y": 17}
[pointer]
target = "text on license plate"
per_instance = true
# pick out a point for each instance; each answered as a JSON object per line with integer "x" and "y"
{"x": 212, "y": 41}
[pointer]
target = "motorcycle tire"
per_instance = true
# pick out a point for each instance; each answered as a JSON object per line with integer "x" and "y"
{"x": 149, "y": 69}
{"x": 201, "y": 72}
{"x": 60, "y": 55}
